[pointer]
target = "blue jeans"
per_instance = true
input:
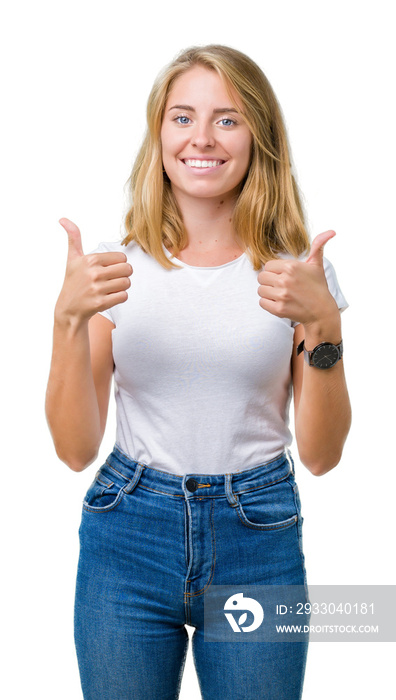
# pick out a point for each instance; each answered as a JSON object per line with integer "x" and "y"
{"x": 151, "y": 544}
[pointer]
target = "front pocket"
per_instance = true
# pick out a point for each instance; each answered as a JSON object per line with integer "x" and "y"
{"x": 103, "y": 494}
{"x": 270, "y": 507}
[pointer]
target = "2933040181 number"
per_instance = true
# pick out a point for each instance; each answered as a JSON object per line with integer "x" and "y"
{"x": 335, "y": 608}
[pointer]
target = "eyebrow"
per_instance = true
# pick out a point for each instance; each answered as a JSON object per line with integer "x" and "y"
{"x": 219, "y": 110}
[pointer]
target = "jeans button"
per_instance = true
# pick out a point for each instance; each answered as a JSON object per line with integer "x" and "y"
{"x": 191, "y": 485}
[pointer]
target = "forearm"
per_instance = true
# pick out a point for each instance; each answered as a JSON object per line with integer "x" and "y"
{"x": 323, "y": 414}
{"x": 71, "y": 402}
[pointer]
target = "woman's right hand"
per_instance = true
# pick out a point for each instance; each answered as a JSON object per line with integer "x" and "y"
{"x": 93, "y": 282}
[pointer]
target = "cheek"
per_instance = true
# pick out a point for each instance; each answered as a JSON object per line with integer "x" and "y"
{"x": 166, "y": 139}
{"x": 170, "y": 147}
{"x": 245, "y": 156}
{"x": 244, "y": 150}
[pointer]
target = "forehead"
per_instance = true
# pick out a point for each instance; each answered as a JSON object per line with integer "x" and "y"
{"x": 201, "y": 83}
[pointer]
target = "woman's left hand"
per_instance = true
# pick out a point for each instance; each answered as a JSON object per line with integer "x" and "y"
{"x": 298, "y": 290}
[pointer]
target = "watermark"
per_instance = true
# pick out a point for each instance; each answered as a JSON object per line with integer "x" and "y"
{"x": 282, "y": 613}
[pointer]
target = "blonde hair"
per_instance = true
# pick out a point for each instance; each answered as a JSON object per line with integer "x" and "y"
{"x": 268, "y": 216}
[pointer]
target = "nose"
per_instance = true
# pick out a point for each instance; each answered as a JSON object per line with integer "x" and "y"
{"x": 202, "y": 136}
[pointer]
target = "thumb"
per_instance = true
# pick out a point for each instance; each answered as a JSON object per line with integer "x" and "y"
{"x": 74, "y": 238}
{"x": 316, "y": 254}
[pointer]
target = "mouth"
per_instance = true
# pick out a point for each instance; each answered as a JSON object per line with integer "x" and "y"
{"x": 208, "y": 163}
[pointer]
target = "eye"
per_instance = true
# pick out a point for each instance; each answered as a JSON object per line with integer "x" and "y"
{"x": 182, "y": 119}
{"x": 227, "y": 122}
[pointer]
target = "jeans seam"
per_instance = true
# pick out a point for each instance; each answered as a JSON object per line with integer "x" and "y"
{"x": 105, "y": 509}
{"x": 299, "y": 536}
{"x": 271, "y": 526}
{"x": 110, "y": 466}
{"x": 202, "y": 590}
{"x": 220, "y": 495}
{"x": 263, "y": 486}
{"x": 100, "y": 480}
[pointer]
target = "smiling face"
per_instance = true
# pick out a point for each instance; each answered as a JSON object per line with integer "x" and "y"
{"x": 206, "y": 143}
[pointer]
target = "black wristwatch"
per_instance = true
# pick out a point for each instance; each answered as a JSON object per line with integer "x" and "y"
{"x": 323, "y": 356}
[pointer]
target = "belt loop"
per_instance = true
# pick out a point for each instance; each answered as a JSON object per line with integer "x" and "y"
{"x": 231, "y": 498}
{"x": 290, "y": 460}
{"x": 135, "y": 480}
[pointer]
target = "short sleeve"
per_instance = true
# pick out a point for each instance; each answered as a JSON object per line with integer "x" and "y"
{"x": 105, "y": 248}
{"x": 334, "y": 288}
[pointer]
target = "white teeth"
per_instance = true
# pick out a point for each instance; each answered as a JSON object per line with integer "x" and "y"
{"x": 202, "y": 163}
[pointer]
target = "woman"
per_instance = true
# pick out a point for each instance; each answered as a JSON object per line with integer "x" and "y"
{"x": 199, "y": 490}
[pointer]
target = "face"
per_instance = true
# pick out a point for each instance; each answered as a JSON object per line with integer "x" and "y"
{"x": 206, "y": 143}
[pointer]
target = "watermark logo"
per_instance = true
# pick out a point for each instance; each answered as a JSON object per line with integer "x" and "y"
{"x": 238, "y": 602}
{"x": 293, "y": 613}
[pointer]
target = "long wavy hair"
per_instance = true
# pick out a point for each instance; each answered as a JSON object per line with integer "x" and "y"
{"x": 268, "y": 216}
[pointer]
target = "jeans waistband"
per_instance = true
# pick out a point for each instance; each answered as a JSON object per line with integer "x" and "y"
{"x": 194, "y": 485}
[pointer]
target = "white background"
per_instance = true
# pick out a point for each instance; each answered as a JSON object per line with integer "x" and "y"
{"x": 75, "y": 80}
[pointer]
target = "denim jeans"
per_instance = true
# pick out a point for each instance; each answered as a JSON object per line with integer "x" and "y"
{"x": 152, "y": 543}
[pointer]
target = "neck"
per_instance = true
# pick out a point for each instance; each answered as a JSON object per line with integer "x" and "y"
{"x": 208, "y": 222}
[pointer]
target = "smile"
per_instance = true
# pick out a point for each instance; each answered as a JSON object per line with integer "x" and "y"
{"x": 193, "y": 163}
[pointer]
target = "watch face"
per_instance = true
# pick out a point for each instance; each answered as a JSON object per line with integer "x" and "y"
{"x": 325, "y": 356}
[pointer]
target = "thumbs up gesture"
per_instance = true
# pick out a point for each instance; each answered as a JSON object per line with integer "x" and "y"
{"x": 92, "y": 282}
{"x": 298, "y": 290}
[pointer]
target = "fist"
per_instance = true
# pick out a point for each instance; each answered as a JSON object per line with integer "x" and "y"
{"x": 93, "y": 282}
{"x": 298, "y": 290}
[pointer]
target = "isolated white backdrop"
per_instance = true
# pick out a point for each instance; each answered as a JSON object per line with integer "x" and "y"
{"x": 76, "y": 76}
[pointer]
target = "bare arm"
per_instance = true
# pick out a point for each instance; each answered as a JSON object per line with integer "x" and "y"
{"x": 322, "y": 409}
{"x": 78, "y": 389}
{"x": 299, "y": 291}
{"x": 82, "y": 363}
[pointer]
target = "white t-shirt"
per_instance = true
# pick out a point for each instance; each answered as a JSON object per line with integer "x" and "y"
{"x": 202, "y": 372}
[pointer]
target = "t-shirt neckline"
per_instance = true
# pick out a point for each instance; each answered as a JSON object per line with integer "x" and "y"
{"x": 198, "y": 267}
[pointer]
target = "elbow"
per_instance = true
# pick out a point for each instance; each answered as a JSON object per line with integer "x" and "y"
{"x": 78, "y": 466}
{"x": 321, "y": 462}
{"x": 321, "y": 459}
{"x": 76, "y": 462}
{"x": 76, "y": 456}
{"x": 322, "y": 465}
